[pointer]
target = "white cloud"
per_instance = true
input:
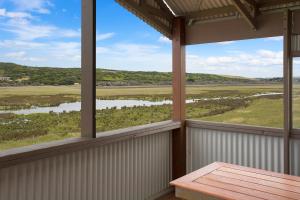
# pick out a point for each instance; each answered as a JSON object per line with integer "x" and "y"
{"x": 62, "y": 51}
{"x": 164, "y": 39}
{"x": 39, "y": 6}
{"x": 21, "y": 56}
{"x": 23, "y": 46}
{"x": 16, "y": 55}
{"x": 104, "y": 36}
{"x": 101, "y": 50}
{"x": 68, "y": 33}
{"x": 144, "y": 57}
{"x": 261, "y": 63}
{"x": 56, "y": 54}
{"x": 296, "y": 69}
{"x": 17, "y": 44}
{"x": 136, "y": 49}
{"x": 25, "y": 30}
{"x": 4, "y": 13}
{"x": 270, "y": 54}
{"x": 131, "y": 56}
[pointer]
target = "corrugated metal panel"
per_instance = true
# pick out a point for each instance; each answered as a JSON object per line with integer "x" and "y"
{"x": 281, "y": 6}
{"x": 134, "y": 169}
{"x": 207, "y": 146}
{"x": 183, "y": 7}
{"x": 295, "y": 157}
{"x": 186, "y": 7}
{"x": 296, "y": 43}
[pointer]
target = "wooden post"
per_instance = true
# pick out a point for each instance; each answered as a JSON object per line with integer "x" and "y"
{"x": 179, "y": 135}
{"x": 88, "y": 69}
{"x": 288, "y": 85}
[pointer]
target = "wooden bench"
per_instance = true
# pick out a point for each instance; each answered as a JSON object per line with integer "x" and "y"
{"x": 227, "y": 181}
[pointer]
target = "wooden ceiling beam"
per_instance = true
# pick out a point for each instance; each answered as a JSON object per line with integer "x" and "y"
{"x": 245, "y": 13}
{"x": 270, "y": 25}
{"x": 254, "y": 6}
{"x": 266, "y": 3}
{"x": 157, "y": 12}
{"x": 253, "y": 3}
{"x": 164, "y": 7}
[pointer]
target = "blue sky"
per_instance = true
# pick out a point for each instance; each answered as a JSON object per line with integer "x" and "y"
{"x": 47, "y": 33}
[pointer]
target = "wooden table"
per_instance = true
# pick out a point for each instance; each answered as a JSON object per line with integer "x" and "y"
{"x": 227, "y": 181}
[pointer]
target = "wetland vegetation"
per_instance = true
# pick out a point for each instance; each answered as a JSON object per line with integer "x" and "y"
{"x": 239, "y": 102}
{"x": 231, "y": 104}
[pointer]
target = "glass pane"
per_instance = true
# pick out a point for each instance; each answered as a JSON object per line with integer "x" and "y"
{"x": 296, "y": 93}
{"x": 133, "y": 70}
{"x": 236, "y": 82}
{"x": 39, "y": 72}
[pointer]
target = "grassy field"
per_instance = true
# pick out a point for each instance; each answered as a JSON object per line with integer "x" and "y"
{"x": 261, "y": 112}
{"x": 22, "y": 130}
{"x": 28, "y": 96}
{"x": 127, "y": 91}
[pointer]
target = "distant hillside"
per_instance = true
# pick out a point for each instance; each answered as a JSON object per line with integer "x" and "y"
{"x": 13, "y": 74}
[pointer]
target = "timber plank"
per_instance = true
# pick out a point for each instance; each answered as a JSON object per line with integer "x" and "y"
{"x": 227, "y": 181}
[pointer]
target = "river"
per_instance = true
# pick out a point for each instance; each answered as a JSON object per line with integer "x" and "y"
{"x": 106, "y": 104}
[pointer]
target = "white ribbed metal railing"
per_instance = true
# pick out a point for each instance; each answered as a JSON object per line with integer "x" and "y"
{"x": 132, "y": 169}
{"x": 207, "y": 146}
{"x": 295, "y": 157}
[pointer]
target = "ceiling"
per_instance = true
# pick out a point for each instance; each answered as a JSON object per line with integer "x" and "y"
{"x": 160, "y": 13}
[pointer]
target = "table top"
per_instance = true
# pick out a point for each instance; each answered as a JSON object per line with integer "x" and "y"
{"x": 227, "y": 181}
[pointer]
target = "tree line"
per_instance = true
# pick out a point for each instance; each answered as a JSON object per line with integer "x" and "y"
{"x": 27, "y": 75}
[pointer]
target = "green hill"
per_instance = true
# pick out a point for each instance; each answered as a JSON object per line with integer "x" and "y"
{"x": 26, "y": 75}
